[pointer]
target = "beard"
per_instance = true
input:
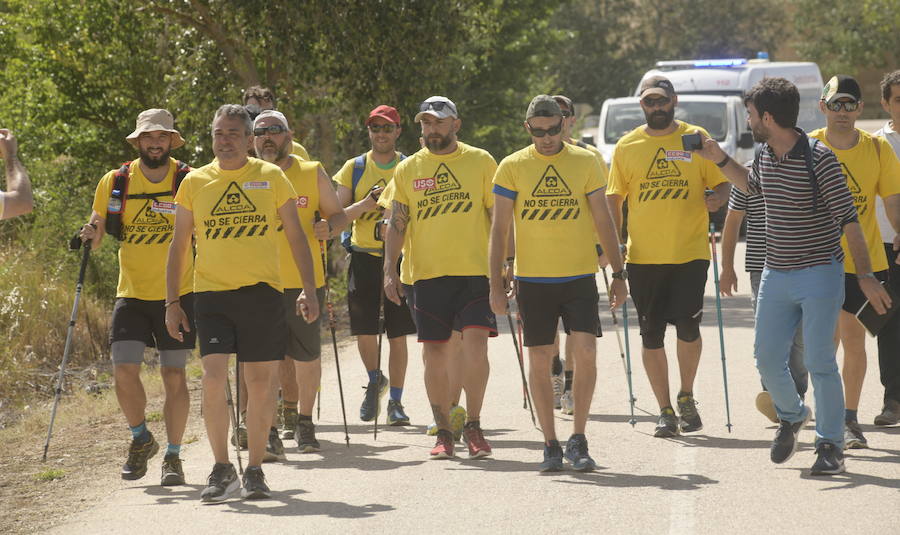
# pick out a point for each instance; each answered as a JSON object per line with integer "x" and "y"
{"x": 273, "y": 153}
{"x": 759, "y": 134}
{"x": 660, "y": 119}
{"x": 154, "y": 163}
{"x": 436, "y": 142}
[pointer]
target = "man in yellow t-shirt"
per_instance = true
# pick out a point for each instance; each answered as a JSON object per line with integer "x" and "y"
{"x": 440, "y": 206}
{"x": 667, "y": 251}
{"x": 135, "y": 204}
{"x": 258, "y": 99}
{"x": 301, "y": 369}
{"x": 871, "y": 169}
{"x": 231, "y": 206}
{"x": 554, "y": 193}
{"x": 360, "y": 183}
{"x": 17, "y": 199}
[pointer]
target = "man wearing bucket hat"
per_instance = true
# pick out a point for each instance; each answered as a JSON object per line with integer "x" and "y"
{"x": 135, "y": 204}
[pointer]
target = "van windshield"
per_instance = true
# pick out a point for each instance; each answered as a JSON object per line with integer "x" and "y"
{"x": 623, "y": 118}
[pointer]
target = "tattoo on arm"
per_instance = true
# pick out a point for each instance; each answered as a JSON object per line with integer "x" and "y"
{"x": 399, "y": 216}
{"x": 441, "y": 420}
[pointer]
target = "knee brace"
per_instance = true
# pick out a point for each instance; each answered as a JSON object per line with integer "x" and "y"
{"x": 174, "y": 358}
{"x": 127, "y": 352}
{"x": 688, "y": 329}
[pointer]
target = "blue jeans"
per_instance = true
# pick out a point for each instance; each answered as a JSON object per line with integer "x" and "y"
{"x": 795, "y": 364}
{"x": 810, "y": 297}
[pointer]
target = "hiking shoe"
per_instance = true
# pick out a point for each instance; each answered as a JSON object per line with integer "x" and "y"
{"x": 853, "y": 437}
{"x": 559, "y": 384}
{"x": 255, "y": 487}
{"x": 220, "y": 484}
{"x": 577, "y": 454}
{"x": 396, "y": 416}
{"x": 667, "y": 425}
{"x": 890, "y": 413}
{"x": 765, "y": 405}
{"x": 290, "y": 424}
{"x": 240, "y": 437}
{"x": 443, "y": 448}
{"x": 829, "y": 460}
{"x": 567, "y": 403}
{"x": 172, "y": 472}
{"x": 687, "y": 408}
{"x": 474, "y": 439}
{"x": 785, "y": 444}
{"x": 553, "y": 457}
{"x": 139, "y": 453}
{"x": 306, "y": 437}
{"x": 275, "y": 448}
{"x": 457, "y": 421}
{"x": 371, "y": 404}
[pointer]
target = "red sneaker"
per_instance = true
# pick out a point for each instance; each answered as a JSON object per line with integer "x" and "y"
{"x": 443, "y": 448}
{"x": 474, "y": 439}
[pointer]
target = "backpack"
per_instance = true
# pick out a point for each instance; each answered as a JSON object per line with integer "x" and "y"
{"x": 359, "y": 167}
{"x": 810, "y": 168}
{"x": 118, "y": 195}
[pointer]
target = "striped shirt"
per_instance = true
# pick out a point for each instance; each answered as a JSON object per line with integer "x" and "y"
{"x": 796, "y": 236}
{"x": 755, "y": 208}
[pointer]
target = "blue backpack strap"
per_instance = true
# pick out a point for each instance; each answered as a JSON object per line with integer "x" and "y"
{"x": 359, "y": 167}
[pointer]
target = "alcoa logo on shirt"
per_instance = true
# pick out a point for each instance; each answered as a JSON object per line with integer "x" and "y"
{"x": 420, "y": 184}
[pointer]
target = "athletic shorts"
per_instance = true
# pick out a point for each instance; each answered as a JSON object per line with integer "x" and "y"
{"x": 364, "y": 283}
{"x": 444, "y": 303}
{"x": 248, "y": 321}
{"x": 854, "y": 298}
{"x": 665, "y": 293}
{"x": 145, "y": 321}
{"x": 304, "y": 340}
{"x": 542, "y": 305}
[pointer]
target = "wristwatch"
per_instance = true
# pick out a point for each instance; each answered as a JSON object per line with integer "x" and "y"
{"x": 621, "y": 275}
{"x": 868, "y": 275}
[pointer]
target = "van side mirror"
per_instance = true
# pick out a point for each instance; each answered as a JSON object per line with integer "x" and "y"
{"x": 745, "y": 141}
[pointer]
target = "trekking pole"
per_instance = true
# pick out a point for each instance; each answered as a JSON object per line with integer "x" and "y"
{"x": 380, "y": 328}
{"x": 615, "y": 320}
{"x": 715, "y": 266}
{"x": 632, "y": 421}
{"x": 526, "y": 397}
{"x": 233, "y": 412}
{"x": 70, "y": 331}
{"x": 331, "y": 325}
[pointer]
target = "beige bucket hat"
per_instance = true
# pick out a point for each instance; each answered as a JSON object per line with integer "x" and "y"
{"x": 152, "y": 121}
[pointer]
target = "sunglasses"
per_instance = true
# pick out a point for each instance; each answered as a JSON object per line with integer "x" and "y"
{"x": 386, "y": 128}
{"x": 541, "y": 132}
{"x": 849, "y": 105}
{"x": 271, "y": 130}
{"x": 437, "y": 105}
{"x": 566, "y": 114}
{"x": 656, "y": 102}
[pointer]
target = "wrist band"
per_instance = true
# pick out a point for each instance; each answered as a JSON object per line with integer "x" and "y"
{"x": 724, "y": 162}
{"x": 170, "y": 303}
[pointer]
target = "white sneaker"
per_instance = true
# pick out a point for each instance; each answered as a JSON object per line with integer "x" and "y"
{"x": 567, "y": 403}
{"x": 558, "y": 383}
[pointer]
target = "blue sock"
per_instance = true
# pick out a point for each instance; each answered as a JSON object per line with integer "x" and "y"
{"x": 849, "y": 416}
{"x": 139, "y": 432}
{"x": 173, "y": 449}
{"x": 373, "y": 375}
{"x": 396, "y": 393}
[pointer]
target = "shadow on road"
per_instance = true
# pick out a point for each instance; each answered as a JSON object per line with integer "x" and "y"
{"x": 618, "y": 480}
{"x": 291, "y": 506}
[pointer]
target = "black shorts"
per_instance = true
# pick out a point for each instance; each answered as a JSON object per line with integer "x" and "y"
{"x": 304, "y": 340}
{"x": 364, "y": 283}
{"x": 145, "y": 321}
{"x": 853, "y": 295}
{"x": 443, "y": 303}
{"x": 542, "y": 304}
{"x": 248, "y": 321}
{"x": 666, "y": 293}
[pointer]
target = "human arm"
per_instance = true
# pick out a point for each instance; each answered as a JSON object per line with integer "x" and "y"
{"x": 609, "y": 241}
{"x": 93, "y": 231}
{"x": 17, "y": 199}
{"x": 892, "y": 207}
{"x": 356, "y": 209}
{"x": 393, "y": 245}
{"x": 497, "y": 250}
{"x": 307, "y": 302}
{"x": 614, "y": 204}
{"x": 736, "y": 173}
{"x": 335, "y": 219}
{"x": 178, "y": 248}
{"x": 730, "y": 232}
{"x": 718, "y": 197}
{"x": 875, "y": 293}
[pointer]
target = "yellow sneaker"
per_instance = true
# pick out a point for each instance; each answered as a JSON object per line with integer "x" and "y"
{"x": 457, "y": 421}
{"x": 766, "y": 407}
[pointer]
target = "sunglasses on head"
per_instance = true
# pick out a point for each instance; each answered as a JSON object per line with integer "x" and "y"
{"x": 272, "y": 130}
{"x": 653, "y": 102}
{"x": 849, "y": 105}
{"x": 541, "y": 132}
{"x": 437, "y": 105}
{"x": 386, "y": 128}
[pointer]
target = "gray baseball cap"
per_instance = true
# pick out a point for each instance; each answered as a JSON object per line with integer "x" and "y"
{"x": 543, "y": 106}
{"x": 437, "y": 106}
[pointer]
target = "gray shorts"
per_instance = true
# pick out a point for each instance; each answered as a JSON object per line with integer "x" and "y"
{"x": 304, "y": 339}
{"x": 132, "y": 352}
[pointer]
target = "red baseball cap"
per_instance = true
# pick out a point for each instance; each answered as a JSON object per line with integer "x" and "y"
{"x": 385, "y": 112}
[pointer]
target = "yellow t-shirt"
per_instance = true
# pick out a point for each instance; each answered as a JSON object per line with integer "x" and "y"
{"x": 363, "y": 236}
{"x": 555, "y": 233}
{"x": 147, "y": 228}
{"x": 664, "y": 186}
{"x": 406, "y": 262}
{"x": 304, "y": 177}
{"x": 234, "y": 223}
{"x": 299, "y": 150}
{"x": 869, "y": 172}
{"x": 449, "y": 199}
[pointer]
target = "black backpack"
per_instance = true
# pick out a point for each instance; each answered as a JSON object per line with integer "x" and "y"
{"x": 118, "y": 196}
{"x": 810, "y": 168}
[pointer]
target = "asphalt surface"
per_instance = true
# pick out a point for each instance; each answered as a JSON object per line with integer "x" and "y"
{"x": 711, "y": 481}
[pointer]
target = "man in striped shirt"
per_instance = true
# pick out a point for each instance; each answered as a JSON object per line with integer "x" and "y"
{"x": 803, "y": 277}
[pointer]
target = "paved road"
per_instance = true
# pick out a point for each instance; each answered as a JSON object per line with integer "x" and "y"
{"x": 707, "y": 482}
